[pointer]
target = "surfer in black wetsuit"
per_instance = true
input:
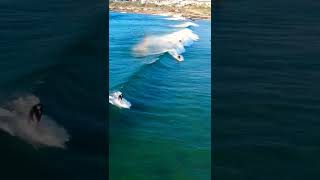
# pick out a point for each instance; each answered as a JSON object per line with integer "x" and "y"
{"x": 36, "y": 113}
{"x": 120, "y": 97}
{"x": 179, "y": 57}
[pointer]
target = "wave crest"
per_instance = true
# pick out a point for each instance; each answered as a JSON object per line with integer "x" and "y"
{"x": 185, "y": 25}
{"x": 176, "y": 17}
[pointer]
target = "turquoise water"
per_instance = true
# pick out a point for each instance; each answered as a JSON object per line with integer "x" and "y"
{"x": 166, "y": 132}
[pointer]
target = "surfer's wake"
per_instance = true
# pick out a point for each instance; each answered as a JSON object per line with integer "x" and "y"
{"x": 14, "y": 119}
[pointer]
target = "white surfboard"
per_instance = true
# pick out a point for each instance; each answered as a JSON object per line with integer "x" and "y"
{"x": 114, "y": 100}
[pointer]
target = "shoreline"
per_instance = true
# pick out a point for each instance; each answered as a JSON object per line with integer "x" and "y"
{"x": 188, "y": 12}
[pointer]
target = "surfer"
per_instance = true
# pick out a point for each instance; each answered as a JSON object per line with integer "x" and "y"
{"x": 179, "y": 57}
{"x": 120, "y": 97}
{"x": 118, "y": 100}
{"x": 36, "y": 113}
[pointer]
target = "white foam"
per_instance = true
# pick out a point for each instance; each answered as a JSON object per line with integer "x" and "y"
{"x": 185, "y": 25}
{"x": 176, "y": 55}
{"x": 176, "y": 17}
{"x": 114, "y": 100}
{"x": 175, "y": 41}
{"x": 14, "y": 119}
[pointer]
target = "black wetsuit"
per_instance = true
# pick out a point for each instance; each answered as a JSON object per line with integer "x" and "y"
{"x": 120, "y": 96}
{"x": 36, "y": 112}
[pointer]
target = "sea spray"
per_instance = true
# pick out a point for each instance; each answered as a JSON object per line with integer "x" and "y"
{"x": 175, "y": 41}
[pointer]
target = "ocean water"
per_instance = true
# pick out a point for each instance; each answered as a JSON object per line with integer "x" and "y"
{"x": 53, "y": 52}
{"x": 266, "y": 90}
{"x": 166, "y": 132}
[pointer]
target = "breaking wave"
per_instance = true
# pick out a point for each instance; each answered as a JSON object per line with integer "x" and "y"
{"x": 185, "y": 25}
{"x": 173, "y": 42}
{"x": 176, "y": 18}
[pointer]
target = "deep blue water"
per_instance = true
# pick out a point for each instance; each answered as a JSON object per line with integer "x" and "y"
{"x": 166, "y": 132}
{"x": 54, "y": 51}
{"x": 266, "y": 90}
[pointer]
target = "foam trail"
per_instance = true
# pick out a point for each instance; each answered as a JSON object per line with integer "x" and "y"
{"x": 14, "y": 121}
{"x": 185, "y": 25}
{"x": 175, "y": 41}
